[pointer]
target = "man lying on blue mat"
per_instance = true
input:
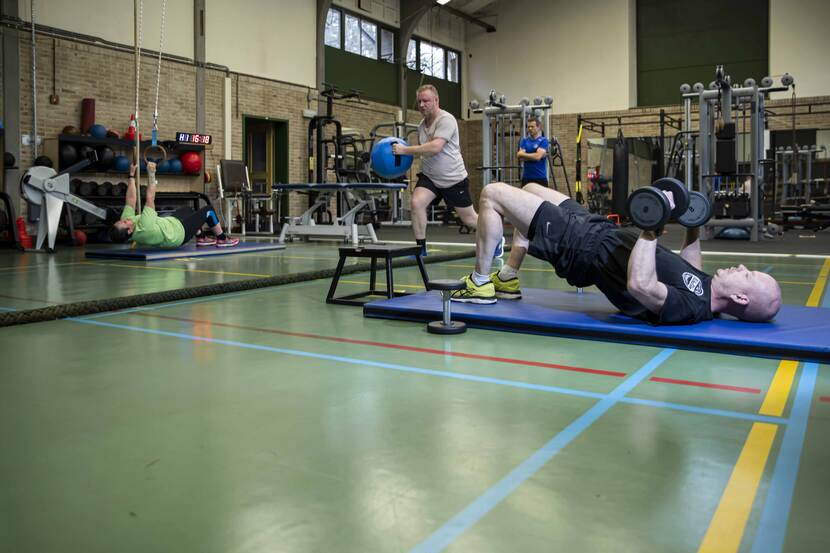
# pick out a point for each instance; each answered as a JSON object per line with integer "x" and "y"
{"x": 641, "y": 278}
{"x": 171, "y": 231}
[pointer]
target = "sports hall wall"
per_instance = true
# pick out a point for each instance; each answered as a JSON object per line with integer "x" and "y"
{"x": 588, "y": 50}
{"x": 587, "y": 68}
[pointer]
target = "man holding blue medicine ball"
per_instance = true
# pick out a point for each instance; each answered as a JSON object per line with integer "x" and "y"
{"x": 443, "y": 174}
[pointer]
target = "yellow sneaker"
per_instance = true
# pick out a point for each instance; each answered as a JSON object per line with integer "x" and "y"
{"x": 506, "y": 289}
{"x": 485, "y": 293}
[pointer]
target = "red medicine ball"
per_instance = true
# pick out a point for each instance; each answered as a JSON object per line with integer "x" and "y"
{"x": 191, "y": 162}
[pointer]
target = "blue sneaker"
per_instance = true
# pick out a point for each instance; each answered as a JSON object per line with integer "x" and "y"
{"x": 499, "y": 249}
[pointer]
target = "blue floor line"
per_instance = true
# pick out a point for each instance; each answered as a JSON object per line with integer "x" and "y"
{"x": 444, "y": 374}
{"x": 482, "y": 505}
{"x": 350, "y": 360}
{"x": 7, "y": 309}
{"x": 772, "y": 528}
{"x": 753, "y": 417}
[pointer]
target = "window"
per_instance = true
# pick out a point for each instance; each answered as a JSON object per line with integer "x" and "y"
{"x": 387, "y": 45}
{"x": 333, "y": 28}
{"x": 437, "y": 62}
{"x": 368, "y": 39}
{"x": 432, "y": 60}
{"x": 412, "y": 55}
{"x": 352, "y": 34}
{"x": 426, "y": 57}
{"x": 452, "y": 66}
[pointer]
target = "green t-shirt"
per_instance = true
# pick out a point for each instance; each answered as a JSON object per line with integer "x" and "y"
{"x": 152, "y": 230}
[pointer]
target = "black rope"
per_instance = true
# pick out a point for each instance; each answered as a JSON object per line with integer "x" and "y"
{"x": 91, "y": 307}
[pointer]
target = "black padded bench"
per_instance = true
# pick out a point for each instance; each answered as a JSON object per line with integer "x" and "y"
{"x": 374, "y": 252}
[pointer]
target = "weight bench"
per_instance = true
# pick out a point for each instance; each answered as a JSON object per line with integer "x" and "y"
{"x": 374, "y": 252}
{"x": 343, "y": 226}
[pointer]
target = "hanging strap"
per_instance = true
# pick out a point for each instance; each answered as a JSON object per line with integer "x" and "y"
{"x": 158, "y": 78}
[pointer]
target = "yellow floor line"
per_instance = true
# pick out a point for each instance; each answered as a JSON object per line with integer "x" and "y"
{"x": 40, "y": 266}
{"x": 818, "y": 288}
{"x": 381, "y": 281}
{"x": 729, "y": 521}
{"x": 225, "y": 273}
{"x": 779, "y": 389}
{"x": 727, "y": 526}
{"x": 795, "y": 282}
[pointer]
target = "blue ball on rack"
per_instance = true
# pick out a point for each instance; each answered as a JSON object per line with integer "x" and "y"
{"x": 164, "y": 167}
{"x": 98, "y": 131}
{"x": 175, "y": 165}
{"x": 121, "y": 163}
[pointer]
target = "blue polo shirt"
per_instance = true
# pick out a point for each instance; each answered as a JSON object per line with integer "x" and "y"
{"x": 535, "y": 169}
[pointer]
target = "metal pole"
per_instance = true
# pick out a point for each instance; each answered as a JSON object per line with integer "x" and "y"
{"x": 687, "y": 144}
{"x": 485, "y": 148}
{"x": 756, "y": 130}
{"x": 137, "y": 54}
{"x": 34, "y": 85}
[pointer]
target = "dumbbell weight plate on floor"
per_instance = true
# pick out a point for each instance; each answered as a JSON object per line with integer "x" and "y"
{"x": 698, "y": 213}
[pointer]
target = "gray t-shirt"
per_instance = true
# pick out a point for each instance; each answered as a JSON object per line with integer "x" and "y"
{"x": 446, "y": 168}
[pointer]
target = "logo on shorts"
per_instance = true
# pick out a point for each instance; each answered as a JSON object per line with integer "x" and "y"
{"x": 693, "y": 283}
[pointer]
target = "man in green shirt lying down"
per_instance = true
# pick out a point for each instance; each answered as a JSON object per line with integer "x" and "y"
{"x": 148, "y": 229}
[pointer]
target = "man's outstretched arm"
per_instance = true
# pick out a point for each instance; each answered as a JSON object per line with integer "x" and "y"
{"x": 691, "y": 248}
{"x": 642, "y": 273}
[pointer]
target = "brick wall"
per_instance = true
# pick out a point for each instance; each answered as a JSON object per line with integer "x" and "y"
{"x": 107, "y": 75}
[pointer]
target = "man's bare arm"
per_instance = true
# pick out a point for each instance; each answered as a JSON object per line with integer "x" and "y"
{"x": 690, "y": 251}
{"x": 642, "y": 273}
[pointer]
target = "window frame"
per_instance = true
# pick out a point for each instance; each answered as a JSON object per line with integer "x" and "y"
{"x": 418, "y": 40}
{"x": 379, "y": 28}
{"x": 396, "y": 55}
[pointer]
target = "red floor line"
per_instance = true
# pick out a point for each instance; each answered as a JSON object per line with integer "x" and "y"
{"x": 705, "y": 385}
{"x": 825, "y": 399}
{"x": 451, "y": 353}
{"x": 398, "y": 346}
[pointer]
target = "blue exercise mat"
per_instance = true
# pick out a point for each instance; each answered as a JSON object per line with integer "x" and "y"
{"x": 188, "y": 250}
{"x": 801, "y": 333}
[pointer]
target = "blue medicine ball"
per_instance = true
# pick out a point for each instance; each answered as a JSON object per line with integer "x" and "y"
{"x": 175, "y": 165}
{"x": 163, "y": 167}
{"x": 121, "y": 163}
{"x": 98, "y": 131}
{"x": 385, "y": 163}
{"x": 142, "y": 165}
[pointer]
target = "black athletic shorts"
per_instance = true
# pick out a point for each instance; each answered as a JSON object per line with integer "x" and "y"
{"x": 543, "y": 182}
{"x": 192, "y": 221}
{"x": 569, "y": 237}
{"x": 457, "y": 195}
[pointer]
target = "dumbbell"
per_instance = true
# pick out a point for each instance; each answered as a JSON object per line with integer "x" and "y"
{"x": 446, "y": 325}
{"x": 649, "y": 208}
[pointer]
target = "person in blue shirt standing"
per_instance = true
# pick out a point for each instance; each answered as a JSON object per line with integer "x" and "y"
{"x": 533, "y": 151}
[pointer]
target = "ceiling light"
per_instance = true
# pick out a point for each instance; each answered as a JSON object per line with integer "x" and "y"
{"x": 442, "y": 2}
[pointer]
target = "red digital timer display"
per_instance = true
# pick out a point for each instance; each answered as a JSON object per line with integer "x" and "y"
{"x": 193, "y": 138}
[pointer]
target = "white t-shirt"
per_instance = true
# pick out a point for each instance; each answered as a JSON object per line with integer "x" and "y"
{"x": 446, "y": 168}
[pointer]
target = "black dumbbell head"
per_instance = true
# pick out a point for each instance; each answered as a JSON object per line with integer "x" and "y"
{"x": 679, "y": 194}
{"x": 649, "y": 208}
{"x": 698, "y": 213}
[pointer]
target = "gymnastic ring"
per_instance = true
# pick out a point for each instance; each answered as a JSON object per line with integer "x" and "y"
{"x": 158, "y": 147}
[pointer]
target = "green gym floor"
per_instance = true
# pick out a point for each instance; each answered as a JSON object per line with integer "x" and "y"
{"x": 269, "y": 421}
